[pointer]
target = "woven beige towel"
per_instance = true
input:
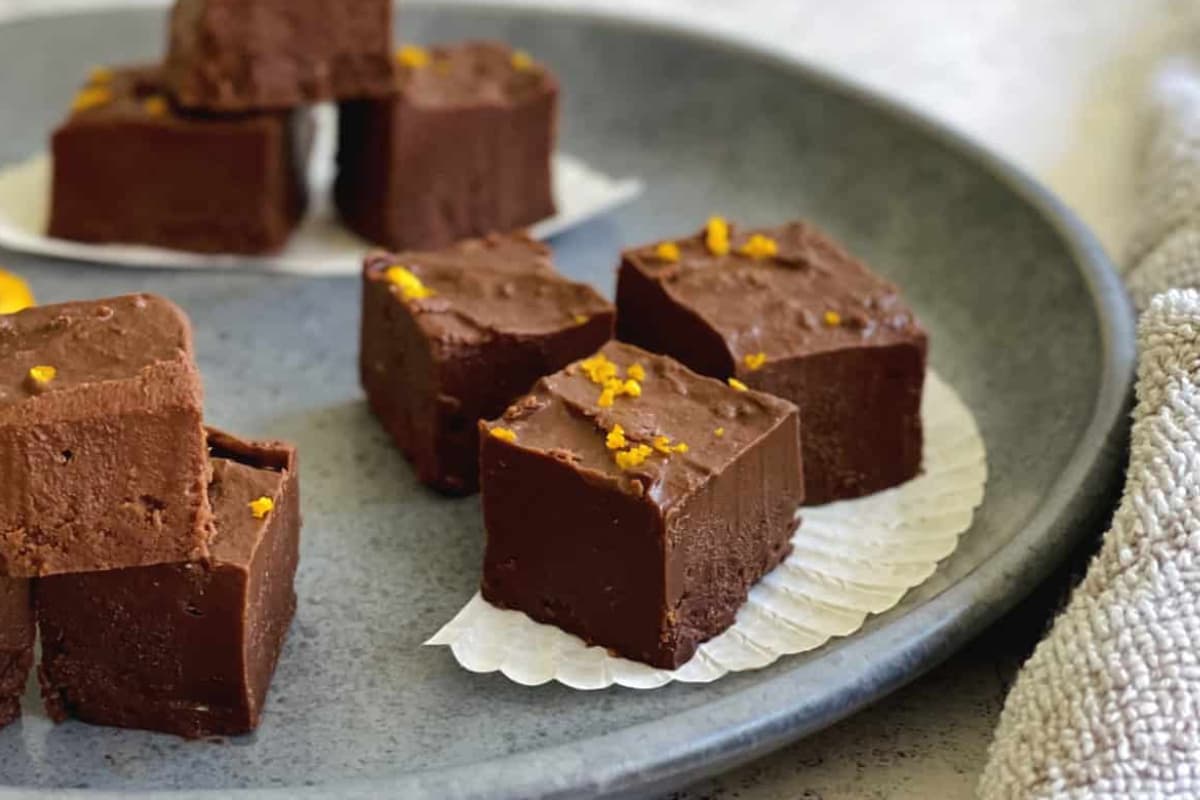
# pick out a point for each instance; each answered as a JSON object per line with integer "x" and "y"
{"x": 1108, "y": 706}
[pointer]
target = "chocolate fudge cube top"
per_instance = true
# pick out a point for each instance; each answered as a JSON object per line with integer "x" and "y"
{"x": 481, "y": 289}
{"x": 781, "y": 293}
{"x": 676, "y": 429}
{"x": 471, "y": 74}
{"x": 453, "y": 336}
{"x": 16, "y": 645}
{"x": 234, "y": 55}
{"x": 130, "y": 166}
{"x": 185, "y": 648}
{"x": 101, "y": 438}
{"x": 634, "y": 503}
{"x": 86, "y": 343}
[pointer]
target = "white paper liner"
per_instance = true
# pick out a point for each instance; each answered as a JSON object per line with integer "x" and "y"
{"x": 319, "y": 246}
{"x": 851, "y": 559}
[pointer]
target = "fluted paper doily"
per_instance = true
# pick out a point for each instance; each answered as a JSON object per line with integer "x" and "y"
{"x": 851, "y": 559}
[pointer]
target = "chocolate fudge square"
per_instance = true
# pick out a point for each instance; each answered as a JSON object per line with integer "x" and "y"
{"x": 634, "y": 503}
{"x": 453, "y": 336}
{"x": 786, "y": 310}
{"x": 461, "y": 149}
{"x": 243, "y": 55}
{"x": 186, "y": 648}
{"x": 102, "y": 447}
{"x": 131, "y": 168}
{"x": 16, "y": 645}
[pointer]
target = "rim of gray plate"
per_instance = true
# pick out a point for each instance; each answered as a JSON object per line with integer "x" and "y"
{"x": 720, "y": 735}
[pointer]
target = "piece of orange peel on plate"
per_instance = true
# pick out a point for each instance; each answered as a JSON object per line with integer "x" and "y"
{"x": 851, "y": 559}
{"x": 15, "y": 294}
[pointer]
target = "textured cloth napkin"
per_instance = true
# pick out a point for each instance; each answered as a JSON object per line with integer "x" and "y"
{"x": 1108, "y": 705}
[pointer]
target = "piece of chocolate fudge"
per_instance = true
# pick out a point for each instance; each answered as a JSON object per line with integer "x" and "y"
{"x": 454, "y": 336}
{"x": 462, "y": 149}
{"x": 16, "y": 645}
{"x": 787, "y": 311}
{"x": 130, "y": 168}
{"x": 634, "y": 503}
{"x": 186, "y": 648}
{"x": 102, "y": 451}
{"x": 244, "y": 55}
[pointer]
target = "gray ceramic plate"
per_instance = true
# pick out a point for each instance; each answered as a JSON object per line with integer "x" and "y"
{"x": 1027, "y": 318}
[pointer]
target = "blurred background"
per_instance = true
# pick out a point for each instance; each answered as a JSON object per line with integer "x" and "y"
{"x": 1057, "y": 86}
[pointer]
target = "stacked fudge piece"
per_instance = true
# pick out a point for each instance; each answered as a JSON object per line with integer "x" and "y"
{"x": 156, "y": 555}
{"x": 634, "y": 491}
{"x": 208, "y": 151}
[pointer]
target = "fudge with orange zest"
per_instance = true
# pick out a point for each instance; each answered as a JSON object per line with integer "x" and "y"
{"x": 633, "y": 503}
{"x": 130, "y": 167}
{"x": 455, "y": 335}
{"x": 786, "y": 310}
{"x": 189, "y": 647}
{"x": 102, "y": 450}
{"x": 462, "y": 148}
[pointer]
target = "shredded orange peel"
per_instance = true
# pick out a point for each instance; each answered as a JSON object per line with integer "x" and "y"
{"x": 755, "y": 361}
{"x": 738, "y": 385}
{"x": 42, "y": 374}
{"x": 261, "y": 507}
{"x": 410, "y": 285}
{"x": 15, "y": 294}
{"x": 716, "y": 236}
{"x": 667, "y": 251}
{"x": 759, "y": 246}
{"x": 832, "y": 318}
{"x": 91, "y": 97}
{"x": 503, "y": 434}
{"x": 521, "y": 61}
{"x": 412, "y": 56}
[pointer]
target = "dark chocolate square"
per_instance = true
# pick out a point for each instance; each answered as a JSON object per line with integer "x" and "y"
{"x": 130, "y": 168}
{"x": 496, "y": 318}
{"x": 462, "y": 149}
{"x": 637, "y": 517}
{"x": 102, "y": 452}
{"x": 16, "y": 645}
{"x": 186, "y": 648}
{"x": 244, "y": 55}
{"x": 787, "y": 311}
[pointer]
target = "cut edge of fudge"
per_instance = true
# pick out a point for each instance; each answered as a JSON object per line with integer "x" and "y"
{"x": 123, "y": 122}
{"x": 638, "y": 524}
{"x": 812, "y": 324}
{"x": 227, "y": 668}
{"x": 78, "y": 381}
{"x": 455, "y": 335}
